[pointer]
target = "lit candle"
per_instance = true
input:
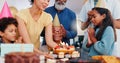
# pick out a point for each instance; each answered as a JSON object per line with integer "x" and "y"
{"x": 67, "y": 44}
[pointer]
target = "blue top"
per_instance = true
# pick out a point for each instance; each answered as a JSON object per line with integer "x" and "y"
{"x": 68, "y": 19}
{"x": 102, "y": 47}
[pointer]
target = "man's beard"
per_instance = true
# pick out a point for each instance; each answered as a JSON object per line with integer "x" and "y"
{"x": 59, "y": 6}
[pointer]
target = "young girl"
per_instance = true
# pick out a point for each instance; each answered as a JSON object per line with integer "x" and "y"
{"x": 102, "y": 37}
{"x": 8, "y": 30}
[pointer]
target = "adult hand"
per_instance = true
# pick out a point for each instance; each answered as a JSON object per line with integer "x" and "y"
{"x": 48, "y": 56}
{"x": 85, "y": 25}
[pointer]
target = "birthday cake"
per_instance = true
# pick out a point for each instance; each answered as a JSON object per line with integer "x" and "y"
{"x": 65, "y": 51}
{"x": 22, "y": 57}
{"x": 64, "y": 48}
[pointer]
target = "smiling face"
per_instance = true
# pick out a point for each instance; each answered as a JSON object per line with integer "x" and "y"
{"x": 57, "y": 33}
{"x": 9, "y": 34}
{"x": 97, "y": 18}
{"x": 41, "y": 4}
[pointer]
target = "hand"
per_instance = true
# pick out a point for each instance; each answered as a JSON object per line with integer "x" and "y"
{"x": 19, "y": 40}
{"x": 57, "y": 47}
{"x": 48, "y": 55}
{"x": 91, "y": 32}
{"x": 63, "y": 31}
{"x": 89, "y": 43}
{"x": 85, "y": 25}
{"x": 90, "y": 14}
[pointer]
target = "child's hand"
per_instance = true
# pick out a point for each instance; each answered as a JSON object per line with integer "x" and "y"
{"x": 19, "y": 40}
{"x": 91, "y": 32}
{"x": 89, "y": 43}
{"x": 90, "y": 14}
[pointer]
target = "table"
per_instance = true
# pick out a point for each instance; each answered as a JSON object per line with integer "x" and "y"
{"x": 73, "y": 60}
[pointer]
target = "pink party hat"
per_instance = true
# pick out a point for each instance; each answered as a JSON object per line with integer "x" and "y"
{"x": 5, "y": 11}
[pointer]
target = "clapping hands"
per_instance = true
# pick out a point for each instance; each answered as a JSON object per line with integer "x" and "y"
{"x": 91, "y": 37}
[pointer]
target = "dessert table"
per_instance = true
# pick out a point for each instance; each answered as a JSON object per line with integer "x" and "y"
{"x": 67, "y": 60}
{"x": 74, "y": 60}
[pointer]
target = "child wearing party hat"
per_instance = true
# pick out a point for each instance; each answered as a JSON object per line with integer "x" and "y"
{"x": 8, "y": 26}
{"x": 57, "y": 30}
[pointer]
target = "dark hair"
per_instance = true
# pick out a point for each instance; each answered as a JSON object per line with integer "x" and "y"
{"x": 108, "y": 21}
{"x": 31, "y": 1}
{"x": 4, "y": 22}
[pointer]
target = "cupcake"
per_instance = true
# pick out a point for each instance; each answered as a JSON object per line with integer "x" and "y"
{"x": 71, "y": 49}
{"x": 67, "y": 55}
{"x": 75, "y": 54}
{"x": 51, "y": 61}
{"x": 61, "y": 55}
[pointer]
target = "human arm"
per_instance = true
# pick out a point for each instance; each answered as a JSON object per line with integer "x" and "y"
{"x": 89, "y": 43}
{"x": 85, "y": 41}
{"x": 85, "y": 25}
{"x": 83, "y": 16}
{"x": 91, "y": 37}
{"x": 24, "y": 34}
{"x": 105, "y": 45}
{"x": 49, "y": 37}
{"x": 71, "y": 27}
{"x": 91, "y": 33}
{"x": 19, "y": 40}
{"x": 116, "y": 13}
{"x": 47, "y": 55}
{"x": 117, "y": 23}
{"x": 23, "y": 30}
{"x": 70, "y": 34}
